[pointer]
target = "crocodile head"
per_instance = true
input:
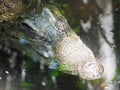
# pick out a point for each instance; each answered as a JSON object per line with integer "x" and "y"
{"x": 53, "y": 38}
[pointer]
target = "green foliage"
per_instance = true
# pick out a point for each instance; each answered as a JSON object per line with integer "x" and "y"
{"x": 55, "y": 73}
{"x": 118, "y": 2}
{"x": 117, "y": 74}
{"x": 60, "y": 8}
{"x": 52, "y": 73}
{"x": 67, "y": 68}
{"x": 59, "y": 5}
{"x": 27, "y": 85}
{"x": 63, "y": 67}
{"x": 31, "y": 66}
{"x": 65, "y": 5}
{"x": 62, "y": 12}
{"x": 81, "y": 86}
{"x": 68, "y": 12}
{"x": 76, "y": 30}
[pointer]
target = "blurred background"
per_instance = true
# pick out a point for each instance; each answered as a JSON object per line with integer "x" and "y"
{"x": 97, "y": 22}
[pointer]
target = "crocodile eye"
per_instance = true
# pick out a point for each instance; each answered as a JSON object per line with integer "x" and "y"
{"x": 60, "y": 25}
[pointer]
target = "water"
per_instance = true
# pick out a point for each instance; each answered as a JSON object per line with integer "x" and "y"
{"x": 105, "y": 39}
{"x": 95, "y": 20}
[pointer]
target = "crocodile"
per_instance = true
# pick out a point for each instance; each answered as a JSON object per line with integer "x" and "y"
{"x": 48, "y": 36}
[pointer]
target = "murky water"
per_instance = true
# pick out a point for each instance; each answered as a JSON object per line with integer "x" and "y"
{"x": 94, "y": 22}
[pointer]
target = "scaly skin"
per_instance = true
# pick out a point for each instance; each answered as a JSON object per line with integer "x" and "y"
{"x": 77, "y": 58}
{"x": 65, "y": 47}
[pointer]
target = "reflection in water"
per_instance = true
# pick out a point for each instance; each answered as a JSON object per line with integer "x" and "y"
{"x": 106, "y": 49}
{"x": 105, "y": 41}
{"x": 85, "y": 1}
{"x": 86, "y": 26}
